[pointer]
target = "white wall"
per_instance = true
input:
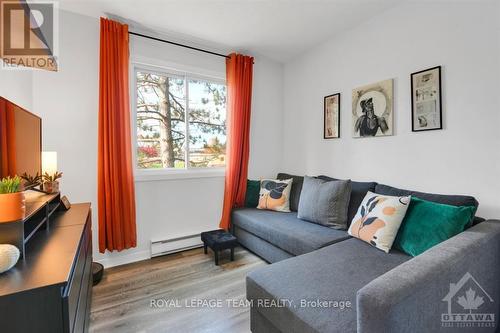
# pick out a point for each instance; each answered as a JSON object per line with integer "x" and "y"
{"x": 16, "y": 86}
{"x": 266, "y": 132}
{"x": 68, "y": 103}
{"x": 463, "y": 158}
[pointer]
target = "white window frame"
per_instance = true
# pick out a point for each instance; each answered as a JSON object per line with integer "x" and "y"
{"x": 171, "y": 173}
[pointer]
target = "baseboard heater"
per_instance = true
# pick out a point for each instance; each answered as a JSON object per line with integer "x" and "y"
{"x": 167, "y": 246}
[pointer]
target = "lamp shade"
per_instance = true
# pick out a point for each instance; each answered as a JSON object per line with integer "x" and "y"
{"x": 49, "y": 162}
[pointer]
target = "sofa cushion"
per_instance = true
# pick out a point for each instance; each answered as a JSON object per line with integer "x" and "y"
{"x": 275, "y": 194}
{"x": 429, "y": 223}
{"x": 333, "y": 273}
{"x": 260, "y": 247}
{"x": 358, "y": 192}
{"x": 454, "y": 200}
{"x": 325, "y": 202}
{"x": 252, "y": 193}
{"x": 296, "y": 189}
{"x": 378, "y": 219}
{"x": 285, "y": 230}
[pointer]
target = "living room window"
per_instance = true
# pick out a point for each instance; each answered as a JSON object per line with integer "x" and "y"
{"x": 180, "y": 121}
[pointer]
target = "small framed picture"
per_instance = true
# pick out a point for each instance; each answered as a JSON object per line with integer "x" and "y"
{"x": 426, "y": 105}
{"x": 65, "y": 203}
{"x": 331, "y": 127}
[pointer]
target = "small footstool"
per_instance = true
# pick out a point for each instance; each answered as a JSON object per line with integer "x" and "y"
{"x": 219, "y": 240}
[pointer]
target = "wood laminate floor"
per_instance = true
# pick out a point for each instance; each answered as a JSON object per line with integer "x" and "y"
{"x": 161, "y": 294}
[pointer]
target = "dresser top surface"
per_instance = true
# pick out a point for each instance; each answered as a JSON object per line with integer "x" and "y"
{"x": 50, "y": 255}
{"x": 36, "y": 200}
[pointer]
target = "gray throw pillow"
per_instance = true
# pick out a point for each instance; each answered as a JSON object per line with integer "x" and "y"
{"x": 325, "y": 202}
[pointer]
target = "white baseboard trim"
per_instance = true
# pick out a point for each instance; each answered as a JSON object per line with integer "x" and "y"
{"x": 118, "y": 260}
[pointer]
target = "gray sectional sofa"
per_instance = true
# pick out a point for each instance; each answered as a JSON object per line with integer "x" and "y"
{"x": 323, "y": 280}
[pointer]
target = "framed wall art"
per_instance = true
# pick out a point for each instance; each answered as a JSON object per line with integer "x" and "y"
{"x": 426, "y": 105}
{"x": 331, "y": 120}
{"x": 372, "y": 110}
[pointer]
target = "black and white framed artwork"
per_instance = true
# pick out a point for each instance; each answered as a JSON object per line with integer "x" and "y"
{"x": 372, "y": 110}
{"x": 426, "y": 105}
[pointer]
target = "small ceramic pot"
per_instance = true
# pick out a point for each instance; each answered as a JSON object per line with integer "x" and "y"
{"x": 13, "y": 207}
{"x": 9, "y": 255}
{"x": 51, "y": 187}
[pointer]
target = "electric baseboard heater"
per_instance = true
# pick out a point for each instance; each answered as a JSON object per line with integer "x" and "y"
{"x": 167, "y": 246}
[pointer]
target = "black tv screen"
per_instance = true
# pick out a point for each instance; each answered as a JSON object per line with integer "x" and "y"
{"x": 20, "y": 141}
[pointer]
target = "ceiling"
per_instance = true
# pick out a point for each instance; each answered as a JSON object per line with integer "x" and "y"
{"x": 278, "y": 29}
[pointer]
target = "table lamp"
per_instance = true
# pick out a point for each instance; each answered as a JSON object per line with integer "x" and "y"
{"x": 49, "y": 162}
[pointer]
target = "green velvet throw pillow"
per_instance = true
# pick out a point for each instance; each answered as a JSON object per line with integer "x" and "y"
{"x": 252, "y": 195}
{"x": 428, "y": 223}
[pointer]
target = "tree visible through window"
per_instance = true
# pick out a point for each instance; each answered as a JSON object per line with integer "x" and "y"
{"x": 164, "y": 139}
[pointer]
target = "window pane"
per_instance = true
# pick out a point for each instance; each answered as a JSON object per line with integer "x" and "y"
{"x": 207, "y": 124}
{"x": 161, "y": 125}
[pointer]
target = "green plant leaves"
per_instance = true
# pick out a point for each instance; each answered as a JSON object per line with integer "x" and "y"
{"x": 52, "y": 178}
{"x": 31, "y": 180}
{"x": 10, "y": 185}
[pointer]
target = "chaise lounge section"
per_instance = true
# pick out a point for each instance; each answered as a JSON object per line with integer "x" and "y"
{"x": 386, "y": 292}
{"x": 333, "y": 273}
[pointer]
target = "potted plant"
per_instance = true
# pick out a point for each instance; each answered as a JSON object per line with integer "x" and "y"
{"x": 12, "y": 201}
{"x": 50, "y": 183}
{"x": 30, "y": 181}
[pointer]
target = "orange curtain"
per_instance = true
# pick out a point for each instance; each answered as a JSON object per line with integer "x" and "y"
{"x": 239, "y": 71}
{"x": 7, "y": 139}
{"x": 116, "y": 194}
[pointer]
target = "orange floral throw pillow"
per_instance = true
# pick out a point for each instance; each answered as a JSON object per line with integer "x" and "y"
{"x": 378, "y": 219}
{"x": 275, "y": 194}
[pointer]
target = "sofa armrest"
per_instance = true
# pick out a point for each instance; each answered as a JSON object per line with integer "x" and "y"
{"x": 413, "y": 296}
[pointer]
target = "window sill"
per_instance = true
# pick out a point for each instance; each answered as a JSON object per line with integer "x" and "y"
{"x": 155, "y": 175}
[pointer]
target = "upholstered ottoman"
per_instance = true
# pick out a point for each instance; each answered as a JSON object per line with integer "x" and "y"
{"x": 219, "y": 240}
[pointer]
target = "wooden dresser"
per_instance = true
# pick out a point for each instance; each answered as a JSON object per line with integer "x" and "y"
{"x": 50, "y": 289}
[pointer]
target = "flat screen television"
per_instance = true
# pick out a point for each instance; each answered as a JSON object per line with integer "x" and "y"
{"x": 20, "y": 141}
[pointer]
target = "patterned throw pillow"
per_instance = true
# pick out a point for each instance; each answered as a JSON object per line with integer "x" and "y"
{"x": 275, "y": 194}
{"x": 378, "y": 219}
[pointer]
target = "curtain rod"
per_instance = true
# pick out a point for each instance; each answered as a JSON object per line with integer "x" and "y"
{"x": 178, "y": 44}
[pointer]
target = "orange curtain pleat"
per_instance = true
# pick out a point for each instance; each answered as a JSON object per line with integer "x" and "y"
{"x": 116, "y": 193}
{"x": 7, "y": 139}
{"x": 239, "y": 72}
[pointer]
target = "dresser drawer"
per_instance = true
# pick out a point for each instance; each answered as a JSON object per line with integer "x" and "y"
{"x": 80, "y": 270}
{"x": 81, "y": 311}
{"x": 89, "y": 303}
